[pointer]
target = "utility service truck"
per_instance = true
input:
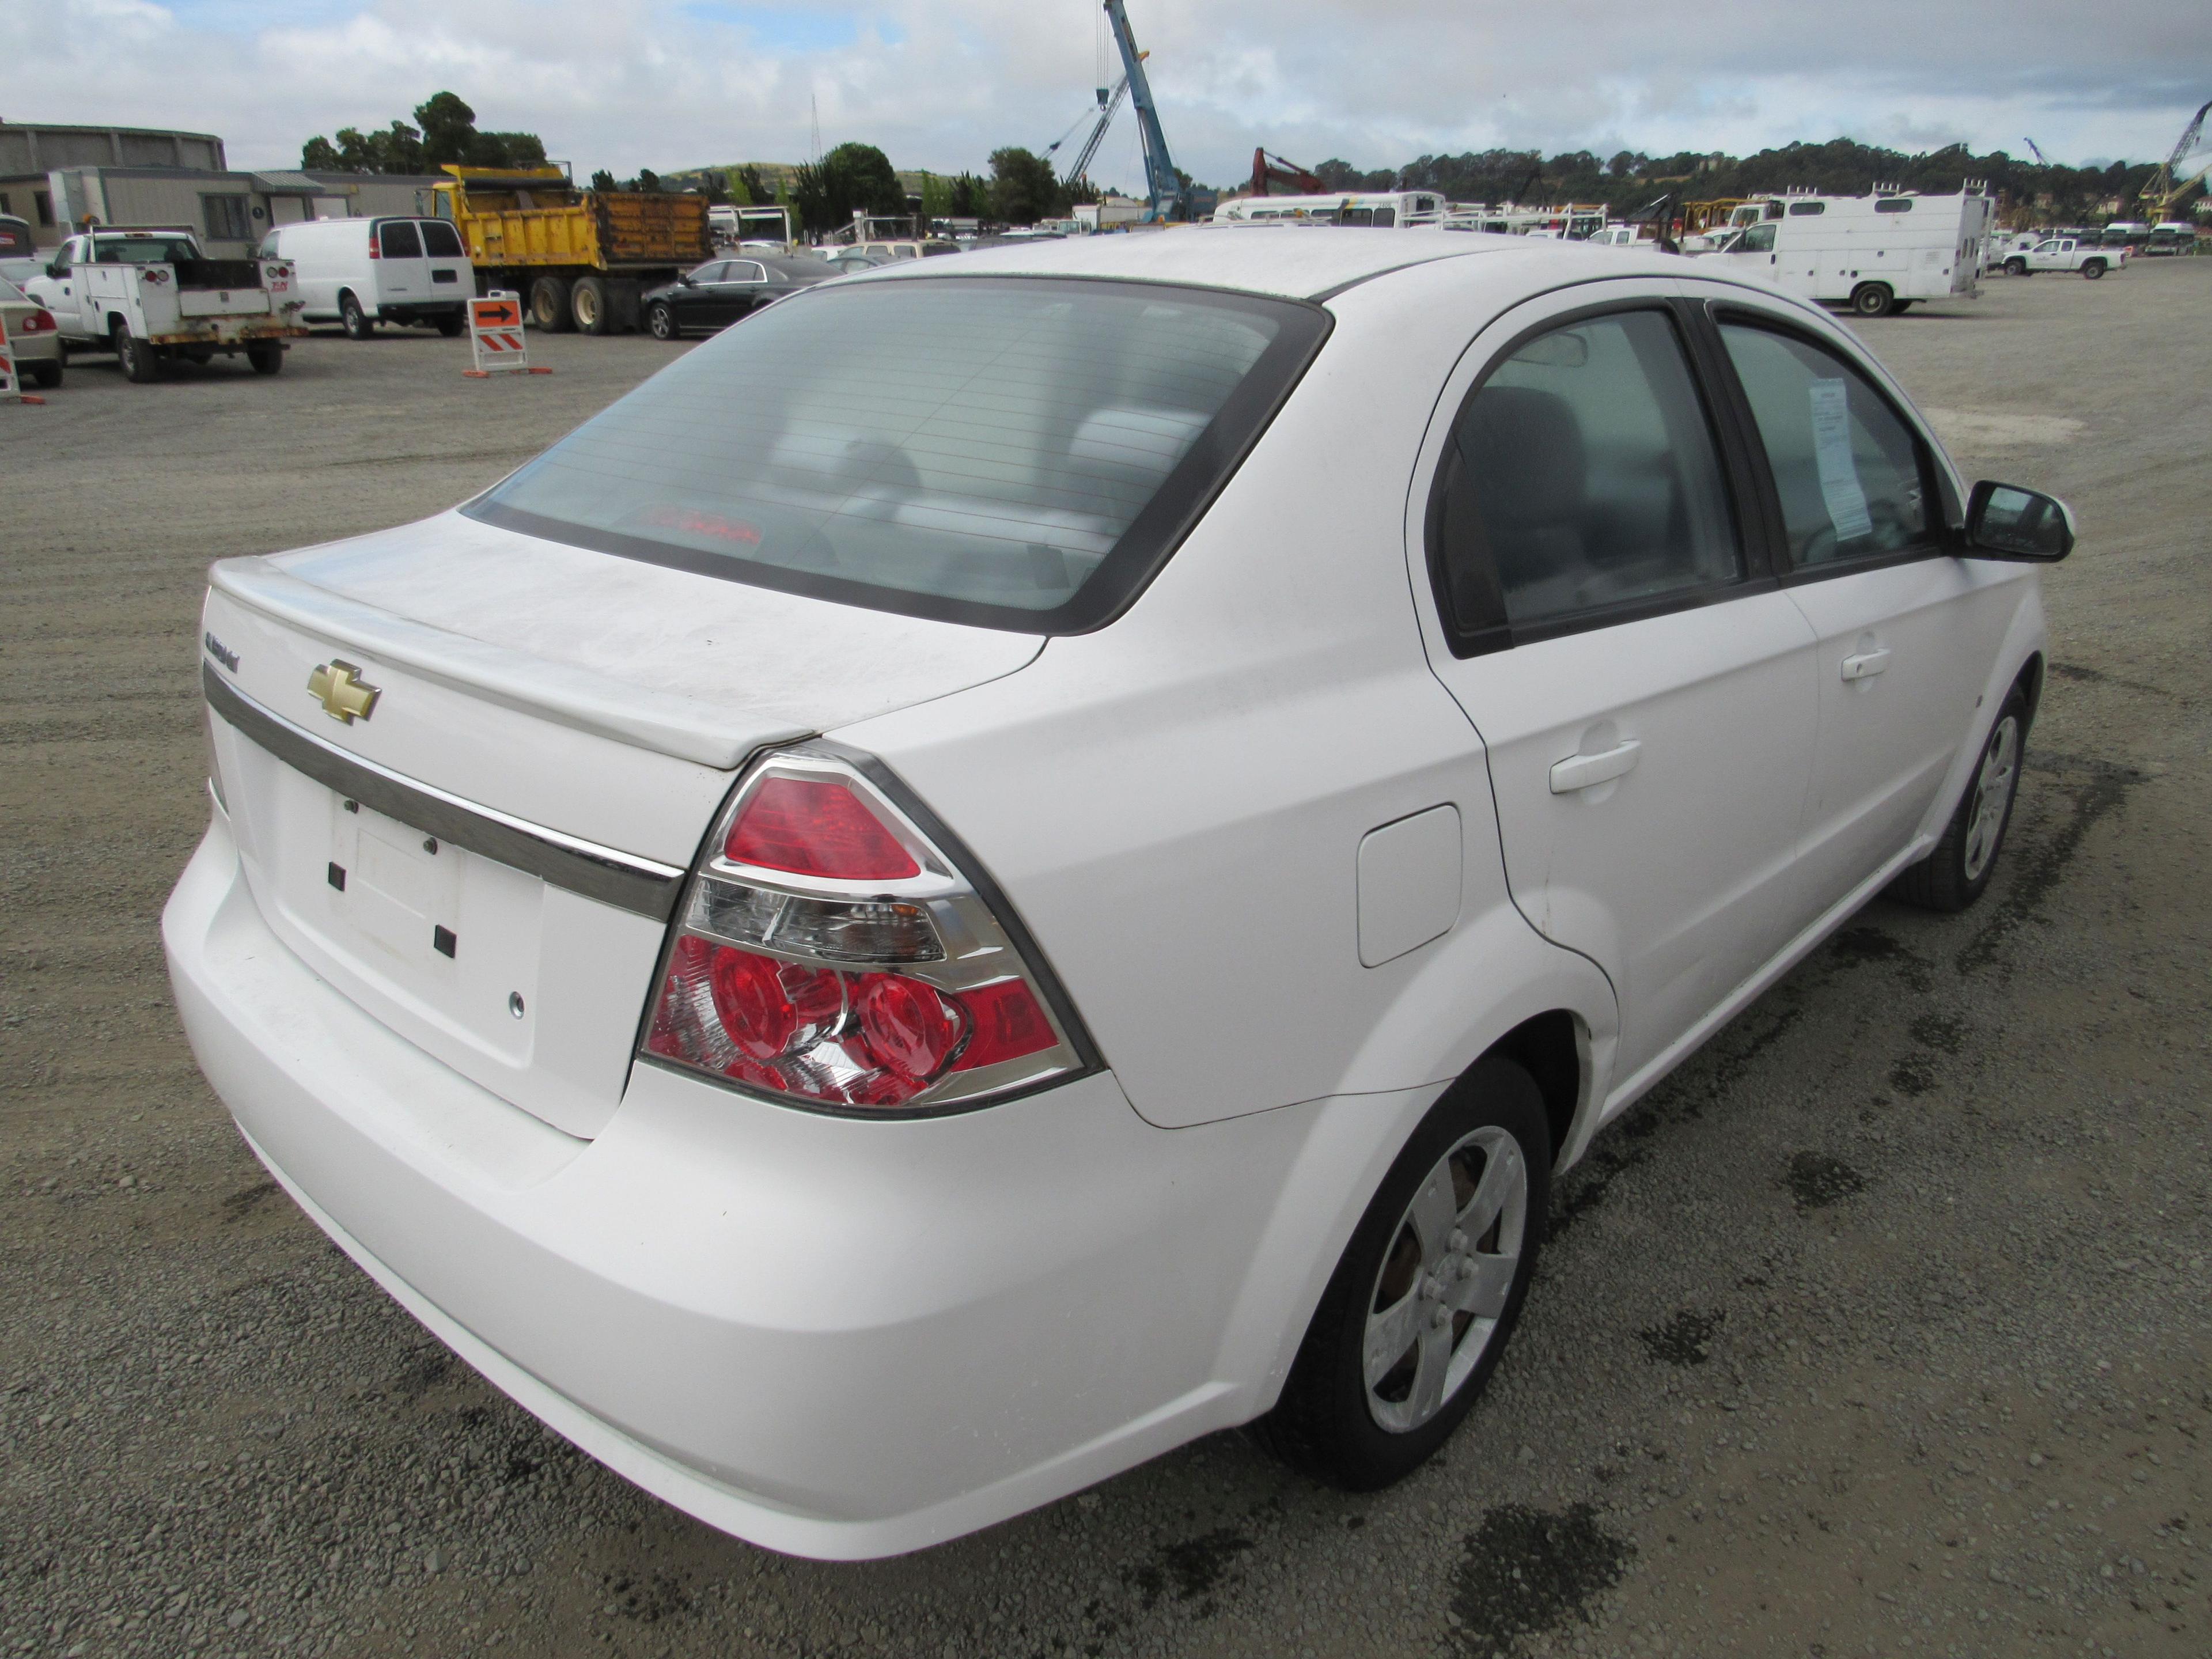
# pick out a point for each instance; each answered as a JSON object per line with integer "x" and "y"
{"x": 148, "y": 294}
{"x": 578, "y": 258}
{"x": 1876, "y": 254}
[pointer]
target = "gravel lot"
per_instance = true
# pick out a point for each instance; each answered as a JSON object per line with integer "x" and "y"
{"x": 1881, "y": 1328}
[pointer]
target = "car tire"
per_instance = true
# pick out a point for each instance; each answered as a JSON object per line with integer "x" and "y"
{"x": 47, "y": 376}
{"x": 661, "y": 322}
{"x": 140, "y": 362}
{"x": 588, "y": 300}
{"x": 1873, "y": 300}
{"x": 2093, "y": 270}
{"x": 1362, "y": 1427}
{"x": 358, "y": 324}
{"x": 1957, "y": 872}
{"x": 2015, "y": 267}
{"x": 267, "y": 357}
{"x": 549, "y": 305}
{"x": 451, "y": 327}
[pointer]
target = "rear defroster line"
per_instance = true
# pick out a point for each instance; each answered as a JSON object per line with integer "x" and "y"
{"x": 642, "y": 886}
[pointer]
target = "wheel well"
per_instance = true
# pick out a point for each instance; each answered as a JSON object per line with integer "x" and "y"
{"x": 2029, "y": 684}
{"x": 1547, "y": 1049}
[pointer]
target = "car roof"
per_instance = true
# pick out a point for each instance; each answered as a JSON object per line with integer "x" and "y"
{"x": 1295, "y": 262}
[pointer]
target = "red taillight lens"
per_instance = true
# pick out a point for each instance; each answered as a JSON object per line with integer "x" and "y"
{"x": 810, "y": 828}
{"x": 912, "y": 1028}
{"x": 791, "y": 984}
{"x": 39, "y": 322}
{"x": 1009, "y": 1024}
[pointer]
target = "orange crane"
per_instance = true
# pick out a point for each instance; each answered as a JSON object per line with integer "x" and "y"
{"x": 1270, "y": 170}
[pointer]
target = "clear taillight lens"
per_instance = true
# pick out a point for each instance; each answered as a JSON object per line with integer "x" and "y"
{"x": 833, "y": 953}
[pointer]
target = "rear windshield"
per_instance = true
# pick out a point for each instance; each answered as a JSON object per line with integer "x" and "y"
{"x": 440, "y": 241}
{"x": 1014, "y": 452}
{"x": 142, "y": 250}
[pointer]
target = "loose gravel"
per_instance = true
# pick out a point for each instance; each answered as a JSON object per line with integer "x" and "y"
{"x": 1881, "y": 1328}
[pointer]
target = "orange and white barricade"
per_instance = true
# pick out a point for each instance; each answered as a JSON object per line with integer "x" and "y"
{"x": 11, "y": 383}
{"x": 495, "y": 338}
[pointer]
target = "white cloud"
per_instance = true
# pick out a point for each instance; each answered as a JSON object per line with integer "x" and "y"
{"x": 667, "y": 83}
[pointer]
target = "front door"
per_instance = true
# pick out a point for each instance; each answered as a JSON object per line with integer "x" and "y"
{"x": 1906, "y": 629}
{"x": 1643, "y": 687}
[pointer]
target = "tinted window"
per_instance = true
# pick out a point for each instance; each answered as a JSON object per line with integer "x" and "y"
{"x": 1805, "y": 209}
{"x": 399, "y": 240}
{"x": 228, "y": 218}
{"x": 1585, "y": 476}
{"x": 1894, "y": 204}
{"x": 142, "y": 250}
{"x": 1386, "y": 215}
{"x": 712, "y": 272}
{"x": 1759, "y": 238}
{"x": 1846, "y": 467}
{"x": 745, "y": 270}
{"x": 440, "y": 241}
{"x": 975, "y": 448}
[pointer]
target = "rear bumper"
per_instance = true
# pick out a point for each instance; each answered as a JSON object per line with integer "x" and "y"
{"x": 832, "y": 1338}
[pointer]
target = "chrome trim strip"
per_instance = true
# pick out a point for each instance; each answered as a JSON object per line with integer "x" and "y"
{"x": 642, "y": 886}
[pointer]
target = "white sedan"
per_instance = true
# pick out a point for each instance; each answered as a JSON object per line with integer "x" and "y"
{"x": 1028, "y": 857}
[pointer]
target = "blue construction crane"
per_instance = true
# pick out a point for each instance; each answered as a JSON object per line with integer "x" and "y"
{"x": 1162, "y": 182}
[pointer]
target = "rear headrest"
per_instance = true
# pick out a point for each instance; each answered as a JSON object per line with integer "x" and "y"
{"x": 1524, "y": 451}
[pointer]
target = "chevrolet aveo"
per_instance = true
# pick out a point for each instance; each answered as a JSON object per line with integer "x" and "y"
{"x": 1024, "y": 859}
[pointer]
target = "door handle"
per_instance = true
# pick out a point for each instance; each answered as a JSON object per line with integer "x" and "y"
{"x": 1866, "y": 663}
{"x": 1588, "y": 771}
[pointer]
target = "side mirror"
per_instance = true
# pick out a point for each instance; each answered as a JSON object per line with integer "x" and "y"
{"x": 2004, "y": 521}
{"x": 684, "y": 281}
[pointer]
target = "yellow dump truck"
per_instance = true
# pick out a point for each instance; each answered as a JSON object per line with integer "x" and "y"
{"x": 578, "y": 258}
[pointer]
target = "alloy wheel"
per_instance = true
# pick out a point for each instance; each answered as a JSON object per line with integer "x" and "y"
{"x": 1992, "y": 796}
{"x": 1445, "y": 1280}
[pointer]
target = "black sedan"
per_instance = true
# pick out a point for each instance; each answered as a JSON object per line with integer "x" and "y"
{"x": 720, "y": 291}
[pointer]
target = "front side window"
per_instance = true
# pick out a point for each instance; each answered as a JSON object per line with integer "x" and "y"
{"x": 1014, "y": 452}
{"x": 1583, "y": 476}
{"x": 1846, "y": 467}
{"x": 440, "y": 241}
{"x": 399, "y": 240}
{"x": 1759, "y": 238}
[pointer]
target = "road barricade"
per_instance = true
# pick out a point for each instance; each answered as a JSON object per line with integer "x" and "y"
{"x": 11, "y": 384}
{"x": 496, "y": 345}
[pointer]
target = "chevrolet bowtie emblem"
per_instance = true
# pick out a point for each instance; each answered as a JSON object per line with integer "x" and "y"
{"x": 338, "y": 686}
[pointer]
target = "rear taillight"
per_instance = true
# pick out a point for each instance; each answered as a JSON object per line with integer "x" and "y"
{"x": 833, "y": 953}
{"x": 39, "y": 322}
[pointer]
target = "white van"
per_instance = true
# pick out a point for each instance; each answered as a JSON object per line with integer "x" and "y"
{"x": 361, "y": 272}
{"x": 1876, "y": 254}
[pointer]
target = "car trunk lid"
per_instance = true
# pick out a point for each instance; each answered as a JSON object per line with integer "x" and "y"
{"x": 485, "y": 855}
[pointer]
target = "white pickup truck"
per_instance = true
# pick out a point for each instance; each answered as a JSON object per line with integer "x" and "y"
{"x": 2091, "y": 260}
{"x": 148, "y": 294}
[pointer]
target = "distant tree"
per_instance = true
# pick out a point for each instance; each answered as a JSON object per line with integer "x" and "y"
{"x": 748, "y": 188}
{"x": 850, "y": 179}
{"x": 971, "y": 198}
{"x": 603, "y": 180}
{"x": 446, "y": 131}
{"x": 647, "y": 181}
{"x": 1023, "y": 188}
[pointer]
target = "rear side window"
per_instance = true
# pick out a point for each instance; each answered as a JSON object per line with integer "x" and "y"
{"x": 1582, "y": 477}
{"x": 1846, "y": 468}
{"x": 398, "y": 240}
{"x": 1014, "y": 452}
{"x": 440, "y": 241}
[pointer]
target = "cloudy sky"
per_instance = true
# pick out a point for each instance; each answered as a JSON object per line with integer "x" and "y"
{"x": 939, "y": 83}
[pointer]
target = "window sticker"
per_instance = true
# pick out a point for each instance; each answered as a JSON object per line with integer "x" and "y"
{"x": 1832, "y": 450}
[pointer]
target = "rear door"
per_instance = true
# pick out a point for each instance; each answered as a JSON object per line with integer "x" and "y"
{"x": 452, "y": 276}
{"x": 1605, "y": 618}
{"x": 1906, "y": 630}
{"x": 403, "y": 273}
